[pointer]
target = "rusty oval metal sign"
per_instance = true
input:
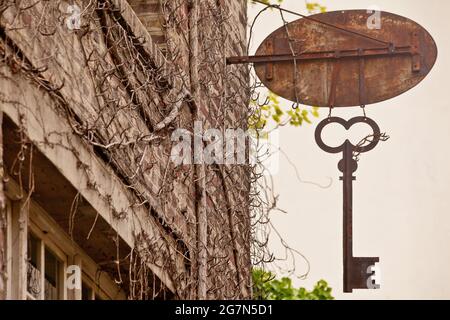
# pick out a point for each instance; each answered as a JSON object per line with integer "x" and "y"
{"x": 345, "y": 58}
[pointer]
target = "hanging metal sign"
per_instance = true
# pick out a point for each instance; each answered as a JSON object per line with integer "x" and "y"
{"x": 335, "y": 60}
{"x": 340, "y": 62}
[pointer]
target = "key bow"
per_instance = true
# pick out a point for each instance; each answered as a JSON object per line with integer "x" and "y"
{"x": 347, "y": 124}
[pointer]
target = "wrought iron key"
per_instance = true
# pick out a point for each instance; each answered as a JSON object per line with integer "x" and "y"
{"x": 356, "y": 269}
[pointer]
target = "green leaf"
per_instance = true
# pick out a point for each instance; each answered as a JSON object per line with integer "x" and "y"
{"x": 267, "y": 287}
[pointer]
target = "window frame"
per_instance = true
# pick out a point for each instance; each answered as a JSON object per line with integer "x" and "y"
{"x": 8, "y": 249}
{"x": 45, "y": 242}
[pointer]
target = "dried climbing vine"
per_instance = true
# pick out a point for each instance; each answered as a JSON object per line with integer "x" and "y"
{"x": 123, "y": 99}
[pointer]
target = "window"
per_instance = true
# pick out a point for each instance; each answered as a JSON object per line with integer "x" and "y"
{"x": 86, "y": 292}
{"x": 45, "y": 277}
{"x": 39, "y": 253}
{"x": 33, "y": 269}
{"x": 91, "y": 291}
{"x": 52, "y": 276}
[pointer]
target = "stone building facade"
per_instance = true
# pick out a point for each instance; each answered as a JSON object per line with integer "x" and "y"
{"x": 92, "y": 207}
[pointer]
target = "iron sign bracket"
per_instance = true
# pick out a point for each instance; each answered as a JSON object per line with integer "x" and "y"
{"x": 390, "y": 50}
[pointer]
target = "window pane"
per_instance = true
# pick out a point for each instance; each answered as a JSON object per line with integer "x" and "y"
{"x": 33, "y": 273}
{"x": 52, "y": 269}
{"x": 33, "y": 247}
{"x": 86, "y": 292}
